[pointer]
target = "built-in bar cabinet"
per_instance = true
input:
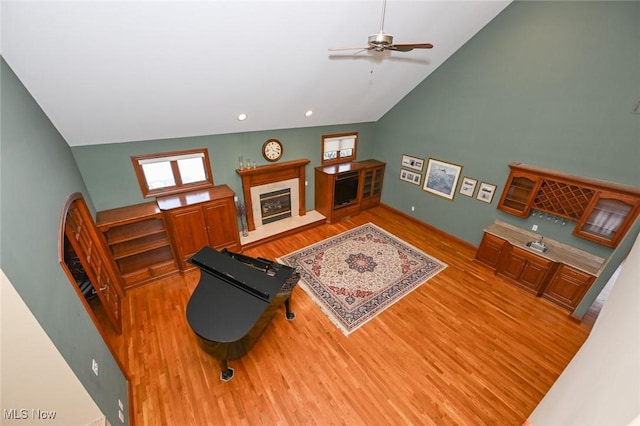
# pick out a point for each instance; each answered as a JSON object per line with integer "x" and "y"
{"x": 603, "y": 211}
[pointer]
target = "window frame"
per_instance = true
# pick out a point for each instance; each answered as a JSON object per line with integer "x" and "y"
{"x": 339, "y": 159}
{"x": 172, "y": 158}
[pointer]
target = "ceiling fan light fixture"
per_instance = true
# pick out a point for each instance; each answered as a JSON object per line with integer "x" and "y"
{"x": 381, "y": 38}
{"x": 382, "y": 41}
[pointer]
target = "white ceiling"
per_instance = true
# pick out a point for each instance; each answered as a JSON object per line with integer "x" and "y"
{"x": 109, "y": 71}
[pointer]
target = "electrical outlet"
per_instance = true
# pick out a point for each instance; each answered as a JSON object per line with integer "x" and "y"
{"x": 94, "y": 366}
{"x": 534, "y": 228}
{"x": 413, "y": 208}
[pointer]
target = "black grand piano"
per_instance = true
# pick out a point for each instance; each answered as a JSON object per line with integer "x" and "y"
{"x": 234, "y": 301}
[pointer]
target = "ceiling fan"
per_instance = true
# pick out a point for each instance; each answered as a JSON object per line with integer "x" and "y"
{"x": 382, "y": 41}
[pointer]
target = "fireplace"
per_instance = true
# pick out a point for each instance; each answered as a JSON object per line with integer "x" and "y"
{"x": 275, "y": 205}
{"x": 276, "y": 180}
{"x": 282, "y": 201}
{"x": 269, "y": 178}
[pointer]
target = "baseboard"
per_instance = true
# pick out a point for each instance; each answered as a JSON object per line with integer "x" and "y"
{"x": 431, "y": 228}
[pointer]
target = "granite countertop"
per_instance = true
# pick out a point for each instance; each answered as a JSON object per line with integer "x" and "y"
{"x": 558, "y": 252}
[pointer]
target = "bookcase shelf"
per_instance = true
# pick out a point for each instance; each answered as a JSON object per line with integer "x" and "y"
{"x": 139, "y": 243}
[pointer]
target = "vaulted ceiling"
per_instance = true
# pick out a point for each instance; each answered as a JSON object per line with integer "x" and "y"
{"x": 107, "y": 72}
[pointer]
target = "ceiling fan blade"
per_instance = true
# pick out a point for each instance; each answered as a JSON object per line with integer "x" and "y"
{"x": 407, "y": 47}
{"x": 337, "y": 49}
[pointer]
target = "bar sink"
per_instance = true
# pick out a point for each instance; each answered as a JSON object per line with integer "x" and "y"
{"x": 538, "y": 246}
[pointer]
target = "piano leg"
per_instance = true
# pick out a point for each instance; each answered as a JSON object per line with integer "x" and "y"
{"x": 227, "y": 372}
{"x": 287, "y": 305}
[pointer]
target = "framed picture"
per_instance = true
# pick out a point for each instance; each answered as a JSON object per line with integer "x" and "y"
{"x": 409, "y": 176}
{"x": 486, "y": 191}
{"x": 468, "y": 186}
{"x": 412, "y": 162}
{"x": 441, "y": 178}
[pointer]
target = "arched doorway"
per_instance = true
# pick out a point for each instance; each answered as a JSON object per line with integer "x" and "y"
{"x": 82, "y": 255}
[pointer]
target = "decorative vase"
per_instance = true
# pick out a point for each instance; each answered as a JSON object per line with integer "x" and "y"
{"x": 241, "y": 212}
{"x": 245, "y": 228}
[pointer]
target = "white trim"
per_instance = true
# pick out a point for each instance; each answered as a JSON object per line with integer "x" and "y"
{"x": 170, "y": 158}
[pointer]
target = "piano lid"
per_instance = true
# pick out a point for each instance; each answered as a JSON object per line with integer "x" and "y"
{"x": 221, "y": 310}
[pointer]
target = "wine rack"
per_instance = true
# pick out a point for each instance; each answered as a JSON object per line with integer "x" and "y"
{"x": 603, "y": 211}
{"x": 562, "y": 199}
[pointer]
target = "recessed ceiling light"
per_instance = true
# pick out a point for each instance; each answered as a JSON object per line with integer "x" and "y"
{"x": 308, "y": 113}
{"x": 242, "y": 117}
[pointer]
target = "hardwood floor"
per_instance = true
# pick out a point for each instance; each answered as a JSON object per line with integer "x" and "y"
{"x": 466, "y": 348}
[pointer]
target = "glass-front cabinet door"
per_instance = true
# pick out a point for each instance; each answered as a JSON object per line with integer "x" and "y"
{"x": 518, "y": 194}
{"x": 607, "y": 218}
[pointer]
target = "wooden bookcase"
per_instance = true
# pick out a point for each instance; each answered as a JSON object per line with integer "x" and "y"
{"x": 139, "y": 243}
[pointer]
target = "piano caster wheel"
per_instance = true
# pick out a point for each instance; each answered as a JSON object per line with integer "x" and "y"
{"x": 226, "y": 375}
{"x": 290, "y": 316}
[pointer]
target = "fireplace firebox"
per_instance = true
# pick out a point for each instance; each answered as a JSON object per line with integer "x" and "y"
{"x": 275, "y": 205}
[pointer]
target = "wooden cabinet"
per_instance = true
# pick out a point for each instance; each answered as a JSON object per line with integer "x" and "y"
{"x": 139, "y": 243}
{"x": 603, "y": 211}
{"x": 526, "y": 269}
{"x": 88, "y": 245}
{"x": 343, "y": 190}
{"x": 345, "y": 202}
{"x": 490, "y": 250}
{"x": 554, "y": 276}
{"x": 372, "y": 179}
{"x": 568, "y": 286}
{"x": 199, "y": 219}
{"x": 607, "y": 218}
{"x": 519, "y": 192}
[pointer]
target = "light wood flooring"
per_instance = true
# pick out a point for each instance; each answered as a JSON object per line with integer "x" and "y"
{"x": 465, "y": 348}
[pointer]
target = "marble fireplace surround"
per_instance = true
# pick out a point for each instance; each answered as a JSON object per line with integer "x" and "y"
{"x": 271, "y": 176}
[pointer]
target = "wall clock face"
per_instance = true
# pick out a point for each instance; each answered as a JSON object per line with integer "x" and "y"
{"x": 272, "y": 150}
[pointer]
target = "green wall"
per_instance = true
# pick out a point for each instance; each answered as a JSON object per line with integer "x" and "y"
{"x": 549, "y": 84}
{"x": 108, "y": 172}
{"x": 38, "y": 173}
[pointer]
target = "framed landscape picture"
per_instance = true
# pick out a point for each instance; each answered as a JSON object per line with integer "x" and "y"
{"x": 468, "y": 186}
{"x": 414, "y": 163}
{"x": 486, "y": 191}
{"x": 411, "y": 177}
{"x": 441, "y": 178}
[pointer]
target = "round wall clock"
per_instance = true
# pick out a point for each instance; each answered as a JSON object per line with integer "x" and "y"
{"x": 272, "y": 150}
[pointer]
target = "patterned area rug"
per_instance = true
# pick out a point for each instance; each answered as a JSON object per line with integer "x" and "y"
{"x": 357, "y": 274}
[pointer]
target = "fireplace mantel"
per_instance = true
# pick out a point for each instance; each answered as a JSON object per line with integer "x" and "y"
{"x": 271, "y": 173}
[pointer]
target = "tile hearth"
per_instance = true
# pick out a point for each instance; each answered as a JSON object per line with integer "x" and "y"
{"x": 281, "y": 226}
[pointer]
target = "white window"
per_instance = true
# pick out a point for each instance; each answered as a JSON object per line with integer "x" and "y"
{"x": 339, "y": 148}
{"x": 172, "y": 172}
